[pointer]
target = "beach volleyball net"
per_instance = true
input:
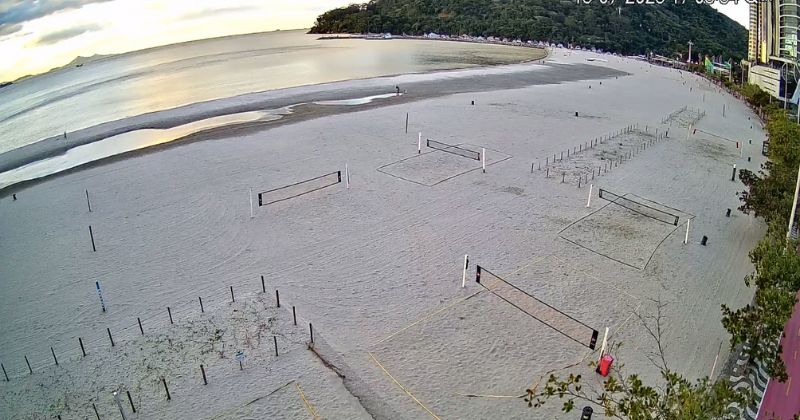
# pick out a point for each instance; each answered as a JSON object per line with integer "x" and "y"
{"x": 640, "y": 207}
{"x": 456, "y": 150}
{"x": 548, "y": 315}
{"x": 297, "y": 189}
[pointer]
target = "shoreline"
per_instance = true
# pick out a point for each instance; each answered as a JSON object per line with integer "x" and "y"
{"x": 300, "y": 112}
{"x": 185, "y": 114}
{"x": 307, "y": 110}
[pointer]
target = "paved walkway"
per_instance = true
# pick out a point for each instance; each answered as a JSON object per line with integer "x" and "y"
{"x": 782, "y": 400}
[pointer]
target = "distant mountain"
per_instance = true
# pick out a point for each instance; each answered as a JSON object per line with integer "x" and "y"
{"x": 79, "y": 61}
{"x": 628, "y": 29}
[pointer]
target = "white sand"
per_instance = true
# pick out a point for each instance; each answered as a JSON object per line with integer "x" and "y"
{"x": 363, "y": 263}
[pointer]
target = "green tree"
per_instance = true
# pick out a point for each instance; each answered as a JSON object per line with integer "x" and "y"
{"x": 626, "y": 396}
{"x": 760, "y": 324}
{"x": 634, "y": 30}
{"x": 769, "y": 194}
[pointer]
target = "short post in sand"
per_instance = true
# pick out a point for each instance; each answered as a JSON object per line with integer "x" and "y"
{"x": 733, "y": 175}
{"x": 406, "y": 122}
{"x": 686, "y": 238}
{"x": 164, "y": 381}
{"x": 251, "y": 203}
{"x": 591, "y": 187}
{"x": 100, "y": 295}
{"x": 464, "y": 272}
{"x": 119, "y": 405}
{"x": 419, "y": 143}
{"x": 130, "y": 401}
{"x": 91, "y": 236}
{"x": 346, "y": 176}
{"x": 88, "y": 203}
{"x": 483, "y": 159}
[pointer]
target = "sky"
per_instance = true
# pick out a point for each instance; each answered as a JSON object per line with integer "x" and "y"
{"x": 38, "y": 35}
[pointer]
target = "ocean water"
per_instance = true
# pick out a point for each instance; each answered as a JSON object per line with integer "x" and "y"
{"x": 132, "y": 84}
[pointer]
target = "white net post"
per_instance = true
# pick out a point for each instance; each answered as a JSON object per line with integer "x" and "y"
{"x": 603, "y": 346}
{"x": 251, "y": 203}
{"x": 589, "y": 201}
{"x": 686, "y": 238}
{"x": 464, "y": 273}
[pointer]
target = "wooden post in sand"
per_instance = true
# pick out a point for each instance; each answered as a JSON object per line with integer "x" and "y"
{"x": 100, "y": 295}
{"x": 164, "y": 381}
{"x": 91, "y": 235}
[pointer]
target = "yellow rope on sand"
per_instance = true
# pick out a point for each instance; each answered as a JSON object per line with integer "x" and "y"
{"x": 309, "y": 407}
{"x": 489, "y": 396}
{"x": 402, "y": 387}
{"x": 426, "y": 317}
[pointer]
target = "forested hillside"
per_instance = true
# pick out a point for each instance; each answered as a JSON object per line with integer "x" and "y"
{"x": 629, "y": 29}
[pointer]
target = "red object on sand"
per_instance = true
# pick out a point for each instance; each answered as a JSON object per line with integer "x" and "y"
{"x": 605, "y": 364}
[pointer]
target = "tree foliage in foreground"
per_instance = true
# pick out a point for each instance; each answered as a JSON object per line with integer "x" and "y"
{"x": 770, "y": 191}
{"x": 769, "y": 194}
{"x": 631, "y": 29}
{"x": 625, "y": 396}
{"x": 760, "y": 324}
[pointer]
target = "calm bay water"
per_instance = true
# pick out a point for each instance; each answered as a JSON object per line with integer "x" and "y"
{"x": 166, "y": 77}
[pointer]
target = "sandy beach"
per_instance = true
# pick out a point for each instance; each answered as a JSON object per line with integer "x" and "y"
{"x": 377, "y": 267}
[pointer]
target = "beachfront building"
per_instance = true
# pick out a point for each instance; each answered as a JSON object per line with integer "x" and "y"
{"x": 772, "y": 47}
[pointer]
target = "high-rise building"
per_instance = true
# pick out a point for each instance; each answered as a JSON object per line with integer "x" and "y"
{"x": 753, "y": 39}
{"x": 772, "y": 46}
{"x": 787, "y": 26}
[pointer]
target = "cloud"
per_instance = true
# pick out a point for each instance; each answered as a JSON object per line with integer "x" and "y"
{"x": 217, "y": 11}
{"x": 60, "y": 35}
{"x": 10, "y": 28}
{"x": 15, "y": 12}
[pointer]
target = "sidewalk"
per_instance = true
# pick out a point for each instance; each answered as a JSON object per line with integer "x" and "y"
{"x": 782, "y": 400}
